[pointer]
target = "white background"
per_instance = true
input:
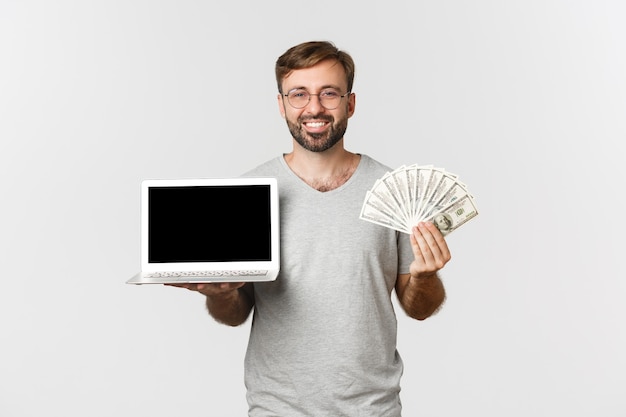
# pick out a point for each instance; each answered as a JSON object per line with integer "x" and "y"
{"x": 525, "y": 100}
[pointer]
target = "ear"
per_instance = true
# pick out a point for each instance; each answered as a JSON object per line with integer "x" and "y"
{"x": 281, "y": 104}
{"x": 351, "y": 104}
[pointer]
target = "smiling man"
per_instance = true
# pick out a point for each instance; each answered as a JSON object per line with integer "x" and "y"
{"x": 323, "y": 335}
{"x": 315, "y": 127}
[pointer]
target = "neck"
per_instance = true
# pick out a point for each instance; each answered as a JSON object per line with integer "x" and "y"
{"x": 323, "y": 171}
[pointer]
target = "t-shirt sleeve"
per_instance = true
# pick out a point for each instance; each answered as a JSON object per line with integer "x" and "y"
{"x": 405, "y": 253}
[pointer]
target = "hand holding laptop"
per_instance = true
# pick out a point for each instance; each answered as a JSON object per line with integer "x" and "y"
{"x": 209, "y": 288}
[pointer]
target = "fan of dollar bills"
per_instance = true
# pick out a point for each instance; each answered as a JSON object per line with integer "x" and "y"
{"x": 410, "y": 194}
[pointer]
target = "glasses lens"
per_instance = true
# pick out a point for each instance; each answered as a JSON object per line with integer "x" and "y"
{"x": 298, "y": 98}
{"x": 330, "y": 98}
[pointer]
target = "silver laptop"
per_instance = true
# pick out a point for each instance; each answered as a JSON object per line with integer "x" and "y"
{"x": 209, "y": 230}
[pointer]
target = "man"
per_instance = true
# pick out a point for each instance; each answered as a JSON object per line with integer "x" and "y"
{"x": 323, "y": 335}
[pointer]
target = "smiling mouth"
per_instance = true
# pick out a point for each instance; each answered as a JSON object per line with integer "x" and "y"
{"x": 315, "y": 125}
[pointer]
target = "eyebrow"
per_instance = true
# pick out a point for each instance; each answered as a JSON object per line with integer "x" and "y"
{"x": 324, "y": 87}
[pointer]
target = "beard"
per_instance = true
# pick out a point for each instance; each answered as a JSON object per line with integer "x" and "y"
{"x": 318, "y": 142}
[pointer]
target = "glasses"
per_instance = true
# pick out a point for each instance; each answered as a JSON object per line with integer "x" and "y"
{"x": 329, "y": 98}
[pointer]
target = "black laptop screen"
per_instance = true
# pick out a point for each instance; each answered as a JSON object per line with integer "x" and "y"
{"x": 209, "y": 223}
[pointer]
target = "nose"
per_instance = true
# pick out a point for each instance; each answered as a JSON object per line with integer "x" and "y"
{"x": 314, "y": 105}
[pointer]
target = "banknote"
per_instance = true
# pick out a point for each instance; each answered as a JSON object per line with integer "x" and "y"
{"x": 455, "y": 215}
{"x": 377, "y": 211}
{"x": 413, "y": 193}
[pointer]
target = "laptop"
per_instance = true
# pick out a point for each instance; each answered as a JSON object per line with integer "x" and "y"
{"x": 209, "y": 230}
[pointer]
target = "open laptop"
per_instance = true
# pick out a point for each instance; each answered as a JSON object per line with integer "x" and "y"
{"x": 209, "y": 230}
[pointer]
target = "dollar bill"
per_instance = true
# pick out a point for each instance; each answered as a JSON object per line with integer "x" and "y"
{"x": 410, "y": 194}
{"x": 455, "y": 215}
{"x": 447, "y": 195}
{"x": 371, "y": 211}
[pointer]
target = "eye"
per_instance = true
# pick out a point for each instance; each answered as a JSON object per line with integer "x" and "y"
{"x": 329, "y": 94}
{"x": 298, "y": 94}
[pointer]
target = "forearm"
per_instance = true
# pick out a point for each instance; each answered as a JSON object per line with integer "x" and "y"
{"x": 421, "y": 296}
{"x": 231, "y": 308}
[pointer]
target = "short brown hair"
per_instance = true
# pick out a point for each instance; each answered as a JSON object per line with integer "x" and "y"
{"x": 308, "y": 54}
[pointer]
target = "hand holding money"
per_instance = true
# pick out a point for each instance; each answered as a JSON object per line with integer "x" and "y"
{"x": 411, "y": 194}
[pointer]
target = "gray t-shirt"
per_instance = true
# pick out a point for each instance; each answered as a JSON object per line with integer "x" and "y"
{"x": 323, "y": 336}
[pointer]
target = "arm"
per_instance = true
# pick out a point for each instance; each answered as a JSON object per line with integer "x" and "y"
{"x": 420, "y": 297}
{"x": 421, "y": 293}
{"x": 228, "y": 303}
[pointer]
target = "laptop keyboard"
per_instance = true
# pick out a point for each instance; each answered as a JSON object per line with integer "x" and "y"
{"x": 210, "y": 274}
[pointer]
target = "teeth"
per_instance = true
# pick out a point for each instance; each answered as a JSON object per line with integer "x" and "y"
{"x": 316, "y": 124}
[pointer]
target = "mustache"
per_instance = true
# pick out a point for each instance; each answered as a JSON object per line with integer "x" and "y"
{"x": 323, "y": 117}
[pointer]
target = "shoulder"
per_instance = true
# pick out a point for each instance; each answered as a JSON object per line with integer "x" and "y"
{"x": 372, "y": 166}
{"x": 269, "y": 168}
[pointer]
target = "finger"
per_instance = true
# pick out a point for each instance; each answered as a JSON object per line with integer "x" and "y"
{"x": 209, "y": 288}
{"x": 423, "y": 263}
{"x": 179, "y": 285}
{"x": 203, "y": 288}
{"x": 415, "y": 244}
{"x": 436, "y": 241}
{"x": 437, "y": 247}
{"x": 421, "y": 249}
{"x": 219, "y": 287}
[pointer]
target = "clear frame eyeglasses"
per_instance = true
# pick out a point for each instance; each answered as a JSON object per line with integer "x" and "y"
{"x": 329, "y": 98}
